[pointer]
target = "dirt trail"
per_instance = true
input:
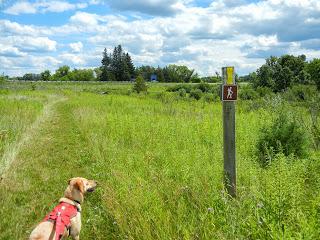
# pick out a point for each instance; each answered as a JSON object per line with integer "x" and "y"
{"x": 14, "y": 148}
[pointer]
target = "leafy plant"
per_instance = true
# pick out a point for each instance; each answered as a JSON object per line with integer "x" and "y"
{"x": 196, "y": 94}
{"x": 140, "y": 85}
{"x": 248, "y": 93}
{"x": 182, "y": 92}
{"x": 176, "y": 88}
{"x": 285, "y": 136}
{"x": 210, "y": 97}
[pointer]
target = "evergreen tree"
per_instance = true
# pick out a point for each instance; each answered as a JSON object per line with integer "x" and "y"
{"x": 117, "y": 66}
{"x": 106, "y": 65}
{"x": 125, "y": 75}
{"x": 129, "y": 63}
{"x": 140, "y": 85}
{"x": 160, "y": 75}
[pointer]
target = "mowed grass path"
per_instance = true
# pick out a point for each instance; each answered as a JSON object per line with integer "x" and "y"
{"x": 159, "y": 165}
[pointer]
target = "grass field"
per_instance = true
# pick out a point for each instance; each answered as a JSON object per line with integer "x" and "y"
{"x": 158, "y": 161}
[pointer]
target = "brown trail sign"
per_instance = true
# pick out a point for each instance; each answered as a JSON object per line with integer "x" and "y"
{"x": 229, "y": 92}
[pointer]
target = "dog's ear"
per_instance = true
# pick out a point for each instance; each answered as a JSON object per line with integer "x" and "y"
{"x": 79, "y": 185}
{"x": 70, "y": 180}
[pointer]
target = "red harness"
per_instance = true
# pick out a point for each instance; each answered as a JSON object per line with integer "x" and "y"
{"x": 62, "y": 215}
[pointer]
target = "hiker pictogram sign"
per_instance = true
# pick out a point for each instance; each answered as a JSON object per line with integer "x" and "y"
{"x": 229, "y": 92}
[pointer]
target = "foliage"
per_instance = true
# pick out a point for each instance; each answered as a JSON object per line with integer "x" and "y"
{"x": 204, "y": 87}
{"x": 182, "y": 92}
{"x": 81, "y": 75}
{"x": 140, "y": 85}
{"x": 177, "y": 87}
{"x": 31, "y": 77}
{"x": 285, "y": 135}
{"x": 210, "y": 97}
{"x": 248, "y": 93}
{"x": 2, "y": 79}
{"x": 211, "y": 79}
{"x": 171, "y": 73}
{"x": 45, "y": 75}
{"x": 313, "y": 69}
{"x": 263, "y": 91}
{"x": 147, "y": 71}
{"x": 280, "y": 73}
{"x": 301, "y": 93}
{"x": 176, "y": 73}
{"x": 117, "y": 66}
{"x": 196, "y": 93}
{"x": 61, "y": 73}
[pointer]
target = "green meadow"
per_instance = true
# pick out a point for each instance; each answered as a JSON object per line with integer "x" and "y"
{"x": 158, "y": 160}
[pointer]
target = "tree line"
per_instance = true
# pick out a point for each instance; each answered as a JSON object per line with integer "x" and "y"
{"x": 280, "y": 73}
{"x": 118, "y": 66}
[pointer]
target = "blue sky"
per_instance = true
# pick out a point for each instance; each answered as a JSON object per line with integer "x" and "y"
{"x": 205, "y": 35}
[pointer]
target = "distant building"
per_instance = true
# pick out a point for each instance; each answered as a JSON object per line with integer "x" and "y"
{"x": 153, "y": 78}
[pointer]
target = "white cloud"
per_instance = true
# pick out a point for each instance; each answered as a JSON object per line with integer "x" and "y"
{"x": 204, "y": 38}
{"x": 21, "y": 7}
{"x": 76, "y": 47}
{"x": 72, "y": 59}
{"x": 29, "y": 44}
{"x": 9, "y": 51}
{"x": 83, "y": 18}
{"x": 59, "y": 6}
{"x": 26, "y": 7}
{"x": 34, "y": 44}
{"x": 152, "y": 7}
{"x": 9, "y": 28}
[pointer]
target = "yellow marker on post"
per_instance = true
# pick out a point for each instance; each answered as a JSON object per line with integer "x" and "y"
{"x": 230, "y": 71}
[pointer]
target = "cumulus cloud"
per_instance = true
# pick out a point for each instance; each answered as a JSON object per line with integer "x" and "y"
{"x": 18, "y": 46}
{"x": 151, "y": 7}
{"x": 43, "y": 7}
{"x": 227, "y": 32}
{"x": 9, "y": 51}
{"x": 20, "y": 8}
{"x": 76, "y": 47}
{"x": 72, "y": 59}
{"x": 83, "y": 18}
{"x": 32, "y": 44}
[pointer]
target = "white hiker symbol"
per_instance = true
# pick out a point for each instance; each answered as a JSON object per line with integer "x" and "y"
{"x": 230, "y": 92}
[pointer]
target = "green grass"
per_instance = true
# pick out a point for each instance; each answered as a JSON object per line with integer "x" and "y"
{"x": 159, "y": 164}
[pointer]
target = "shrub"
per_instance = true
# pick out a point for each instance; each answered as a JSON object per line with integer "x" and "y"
{"x": 176, "y": 88}
{"x": 2, "y": 79}
{"x": 248, "y": 93}
{"x": 285, "y": 136}
{"x": 204, "y": 87}
{"x": 140, "y": 85}
{"x": 210, "y": 97}
{"x": 167, "y": 97}
{"x": 301, "y": 93}
{"x": 182, "y": 92}
{"x": 196, "y": 94}
{"x": 264, "y": 91}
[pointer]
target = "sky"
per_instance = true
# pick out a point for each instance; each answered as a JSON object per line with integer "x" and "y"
{"x": 204, "y": 35}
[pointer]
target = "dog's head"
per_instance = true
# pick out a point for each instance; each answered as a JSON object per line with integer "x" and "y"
{"x": 78, "y": 186}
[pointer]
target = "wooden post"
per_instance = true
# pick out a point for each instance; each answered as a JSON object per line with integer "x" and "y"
{"x": 229, "y": 143}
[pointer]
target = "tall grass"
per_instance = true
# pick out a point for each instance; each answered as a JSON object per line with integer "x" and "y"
{"x": 159, "y": 164}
